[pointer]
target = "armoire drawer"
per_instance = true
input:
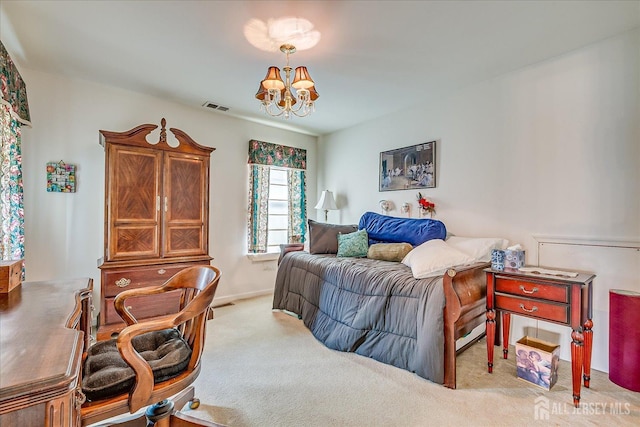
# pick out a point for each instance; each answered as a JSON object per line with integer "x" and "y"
{"x": 116, "y": 281}
{"x": 145, "y": 306}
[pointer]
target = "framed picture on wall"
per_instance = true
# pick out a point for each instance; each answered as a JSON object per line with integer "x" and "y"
{"x": 408, "y": 168}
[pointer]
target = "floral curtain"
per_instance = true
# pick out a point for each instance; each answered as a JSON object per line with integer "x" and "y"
{"x": 11, "y": 196}
{"x": 14, "y": 91}
{"x": 258, "y": 208}
{"x": 267, "y": 153}
{"x": 14, "y": 111}
{"x": 297, "y": 205}
{"x": 262, "y": 156}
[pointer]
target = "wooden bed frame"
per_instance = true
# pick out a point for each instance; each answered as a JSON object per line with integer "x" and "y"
{"x": 465, "y": 290}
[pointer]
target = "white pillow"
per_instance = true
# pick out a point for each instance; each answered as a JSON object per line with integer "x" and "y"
{"x": 478, "y": 247}
{"x": 433, "y": 258}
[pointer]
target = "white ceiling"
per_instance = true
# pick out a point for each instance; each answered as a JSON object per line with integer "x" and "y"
{"x": 374, "y": 57}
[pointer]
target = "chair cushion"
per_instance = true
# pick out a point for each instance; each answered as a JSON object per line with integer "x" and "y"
{"x": 106, "y": 374}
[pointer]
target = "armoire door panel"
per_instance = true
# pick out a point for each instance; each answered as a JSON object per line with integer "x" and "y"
{"x": 134, "y": 202}
{"x": 184, "y": 240}
{"x": 136, "y": 184}
{"x": 185, "y": 210}
{"x": 184, "y": 176}
{"x": 135, "y": 242}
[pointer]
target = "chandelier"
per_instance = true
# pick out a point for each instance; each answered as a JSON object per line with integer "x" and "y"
{"x": 284, "y": 98}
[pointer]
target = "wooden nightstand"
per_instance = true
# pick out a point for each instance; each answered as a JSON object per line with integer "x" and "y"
{"x": 560, "y": 299}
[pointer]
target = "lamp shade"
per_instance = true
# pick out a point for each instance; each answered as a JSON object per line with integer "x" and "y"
{"x": 326, "y": 201}
{"x": 283, "y": 98}
{"x": 261, "y": 94}
{"x": 313, "y": 95}
{"x": 273, "y": 79}
{"x": 302, "y": 79}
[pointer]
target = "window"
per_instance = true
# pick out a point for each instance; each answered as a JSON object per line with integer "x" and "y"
{"x": 277, "y": 201}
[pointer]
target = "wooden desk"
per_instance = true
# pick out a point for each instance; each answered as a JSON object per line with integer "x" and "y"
{"x": 44, "y": 328}
{"x": 559, "y": 299}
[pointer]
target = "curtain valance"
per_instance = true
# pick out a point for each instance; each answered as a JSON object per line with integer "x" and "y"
{"x": 14, "y": 91}
{"x": 269, "y": 154}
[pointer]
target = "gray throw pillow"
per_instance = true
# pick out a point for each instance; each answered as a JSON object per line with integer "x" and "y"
{"x": 323, "y": 238}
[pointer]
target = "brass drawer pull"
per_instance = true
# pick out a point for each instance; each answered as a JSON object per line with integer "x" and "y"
{"x": 533, "y": 291}
{"x": 534, "y": 309}
{"x": 162, "y": 271}
{"x": 123, "y": 283}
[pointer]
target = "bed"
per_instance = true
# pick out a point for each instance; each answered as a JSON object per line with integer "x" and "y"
{"x": 378, "y": 308}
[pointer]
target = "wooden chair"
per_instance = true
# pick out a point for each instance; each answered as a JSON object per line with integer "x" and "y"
{"x": 140, "y": 382}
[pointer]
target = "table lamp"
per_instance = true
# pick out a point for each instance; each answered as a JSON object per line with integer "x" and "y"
{"x": 326, "y": 203}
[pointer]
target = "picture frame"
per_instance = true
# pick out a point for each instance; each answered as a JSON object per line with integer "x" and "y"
{"x": 61, "y": 177}
{"x": 408, "y": 168}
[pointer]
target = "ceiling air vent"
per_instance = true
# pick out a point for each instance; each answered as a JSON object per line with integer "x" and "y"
{"x": 215, "y": 106}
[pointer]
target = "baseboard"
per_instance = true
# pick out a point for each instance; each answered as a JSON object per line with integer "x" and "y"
{"x": 218, "y": 301}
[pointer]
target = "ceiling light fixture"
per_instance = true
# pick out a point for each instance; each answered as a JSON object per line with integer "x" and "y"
{"x": 278, "y": 97}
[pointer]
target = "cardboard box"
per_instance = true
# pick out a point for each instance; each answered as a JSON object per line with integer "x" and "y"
{"x": 513, "y": 259}
{"x": 537, "y": 362}
{"x": 10, "y": 275}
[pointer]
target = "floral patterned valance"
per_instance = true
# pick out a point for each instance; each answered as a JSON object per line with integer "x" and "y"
{"x": 14, "y": 91}
{"x": 266, "y": 153}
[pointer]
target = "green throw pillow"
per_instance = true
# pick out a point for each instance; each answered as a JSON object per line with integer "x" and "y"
{"x": 354, "y": 244}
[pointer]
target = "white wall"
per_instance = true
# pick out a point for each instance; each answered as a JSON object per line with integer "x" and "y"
{"x": 552, "y": 149}
{"x": 64, "y": 232}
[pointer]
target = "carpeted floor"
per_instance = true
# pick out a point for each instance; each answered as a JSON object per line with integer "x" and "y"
{"x": 264, "y": 368}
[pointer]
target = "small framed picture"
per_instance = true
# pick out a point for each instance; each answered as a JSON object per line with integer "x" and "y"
{"x": 61, "y": 177}
{"x": 408, "y": 168}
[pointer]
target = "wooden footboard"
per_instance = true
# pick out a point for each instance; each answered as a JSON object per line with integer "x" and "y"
{"x": 465, "y": 291}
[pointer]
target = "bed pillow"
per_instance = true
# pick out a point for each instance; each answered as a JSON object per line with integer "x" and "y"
{"x": 478, "y": 247}
{"x": 323, "y": 238}
{"x": 389, "y": 229}
{"x": 389, "y": 251}
{"x": 353, "y": 244}
{"x": 433, "y": 258}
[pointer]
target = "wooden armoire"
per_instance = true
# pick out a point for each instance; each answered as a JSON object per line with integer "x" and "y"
{"x": 156, "y": 218}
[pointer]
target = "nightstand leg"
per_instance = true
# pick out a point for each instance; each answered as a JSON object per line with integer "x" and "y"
{"x": 577, "y": 360}
{"x": 506, "y": 323}
{"x": 588, "y": 345}
{"x": 491, "y": 337}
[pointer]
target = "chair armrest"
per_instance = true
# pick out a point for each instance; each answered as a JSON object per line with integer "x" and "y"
{"x": 141, "y": 392}
{"x": 289, "y": 247}
{"x": 121, "y": 308}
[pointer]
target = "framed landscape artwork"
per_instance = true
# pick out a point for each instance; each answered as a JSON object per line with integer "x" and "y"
{"x": 408, "y": 168}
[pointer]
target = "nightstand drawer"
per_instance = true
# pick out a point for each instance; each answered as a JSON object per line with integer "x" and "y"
{"x": 530, "y": 289}
{"x": 533, "y": 308}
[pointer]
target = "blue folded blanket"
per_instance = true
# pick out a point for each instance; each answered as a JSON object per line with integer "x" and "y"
{"x": 382, "y": 228}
